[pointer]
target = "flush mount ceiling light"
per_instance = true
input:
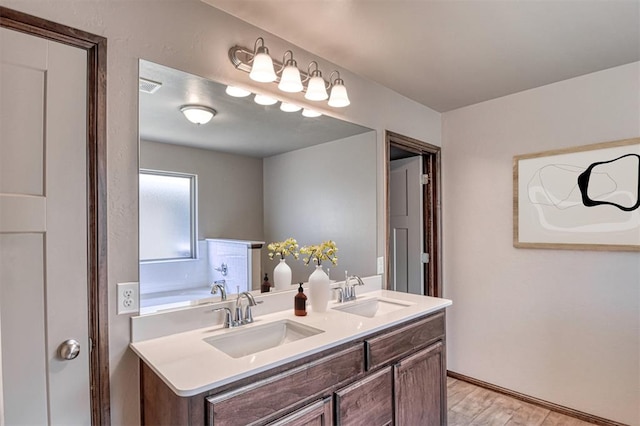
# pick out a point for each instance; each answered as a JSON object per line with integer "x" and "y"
{"x": 261, "y": 67}
{"x": 237, "y": 92}
{"x": 198, "y": 114}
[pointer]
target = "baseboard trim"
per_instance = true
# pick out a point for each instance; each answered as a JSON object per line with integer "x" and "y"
{"x": 535, "y": 401}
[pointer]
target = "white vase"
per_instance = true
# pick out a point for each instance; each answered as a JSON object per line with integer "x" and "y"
{"x": 319, "y": 292}
{"x": 282, "y": 276}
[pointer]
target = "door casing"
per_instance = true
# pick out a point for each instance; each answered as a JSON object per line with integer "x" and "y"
{"x": 96, "y": 48}
{"x": 432, "y": 227}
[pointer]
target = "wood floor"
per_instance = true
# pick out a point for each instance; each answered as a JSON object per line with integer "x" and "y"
{"x": 473, "y": 405}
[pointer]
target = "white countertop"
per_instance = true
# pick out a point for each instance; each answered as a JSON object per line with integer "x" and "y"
{"x": 189, "y": 365}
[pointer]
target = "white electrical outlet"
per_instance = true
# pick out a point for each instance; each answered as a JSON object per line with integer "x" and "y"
{"x": 380, "y": 265}
{"x": 128, "y": 298}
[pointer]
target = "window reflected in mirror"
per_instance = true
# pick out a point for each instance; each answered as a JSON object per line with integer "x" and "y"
{"x": 168, "y": 226}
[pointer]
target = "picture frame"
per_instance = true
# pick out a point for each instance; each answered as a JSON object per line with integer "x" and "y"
{"x": 580, "y": 198}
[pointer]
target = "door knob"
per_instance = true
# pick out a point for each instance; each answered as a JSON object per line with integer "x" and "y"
{"x": 69, "y": 349}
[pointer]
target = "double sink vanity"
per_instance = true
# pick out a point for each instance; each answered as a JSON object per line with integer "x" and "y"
{"x": 377, "y": 360}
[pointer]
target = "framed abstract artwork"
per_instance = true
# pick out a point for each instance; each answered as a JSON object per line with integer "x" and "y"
{"x": 583, "y": 198}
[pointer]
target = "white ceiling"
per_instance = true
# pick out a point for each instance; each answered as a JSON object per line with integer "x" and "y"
{"x": 447, "y": 54}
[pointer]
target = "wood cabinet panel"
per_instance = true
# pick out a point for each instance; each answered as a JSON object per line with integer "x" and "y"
{"x": 368, "y": 401}
{"x": 253, "y": 404}
{"x": 420, "y": 386}
{"x": 316, "y": 414}
{"x": 393, "y": 345}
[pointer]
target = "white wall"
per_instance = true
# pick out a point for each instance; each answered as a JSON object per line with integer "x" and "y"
{"x": 563, "y": 326}
{"x": 321, "y": 192}
{"x": 194, "y": 37}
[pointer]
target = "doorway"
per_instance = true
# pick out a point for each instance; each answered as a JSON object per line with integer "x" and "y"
{"x": 413, "y": 209}
{"x": 91, "y": 193}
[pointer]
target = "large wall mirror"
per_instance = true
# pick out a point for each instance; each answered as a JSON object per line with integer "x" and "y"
{"x": 212, "y": 196}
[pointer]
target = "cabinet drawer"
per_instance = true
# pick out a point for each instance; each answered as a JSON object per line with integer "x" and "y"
{"x": 261, "y": 401}
{"x": 369, "y": 401}
{"x": 393, "y": 345}
{"x": 315, "y": 414}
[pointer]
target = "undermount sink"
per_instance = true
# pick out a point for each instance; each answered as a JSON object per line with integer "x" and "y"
{"x": 246, "y": 341}
{"x": 371, "y": 308}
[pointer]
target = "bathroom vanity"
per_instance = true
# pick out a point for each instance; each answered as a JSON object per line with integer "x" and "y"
{"x": 376, "y": 361}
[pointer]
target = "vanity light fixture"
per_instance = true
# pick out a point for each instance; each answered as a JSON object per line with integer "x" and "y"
{"x": 237, "y": 92}
{"x": 310, "y": 113}
{"x": 198, "y": 114}
{"x": 264, "y": 99}
{"x": 261, "y": 67}
{"x": 316, "y": 89}
{"x": 287, "y": 107}
{"x": 339, "y": 97}
{"x": 290, "y": 80}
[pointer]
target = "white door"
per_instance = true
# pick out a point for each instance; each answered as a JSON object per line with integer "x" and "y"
{"x": 405, "y": 188}
{"x": 43, "y": 231}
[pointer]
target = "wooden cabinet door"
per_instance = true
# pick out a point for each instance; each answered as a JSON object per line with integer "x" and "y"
{"x": 316, "y": 414}
{"x": 368, "y": 401}
{"x": 419, "y": 380}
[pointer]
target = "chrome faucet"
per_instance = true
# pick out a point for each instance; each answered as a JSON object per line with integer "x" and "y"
{"x": 350, "y": 290}
{"x": 228, "y": 321}
{"x": 247, "y": 317}
{"x": 340, "y": 291}
{"x": 219, "y": 285}
{"x": 223, "y": 269}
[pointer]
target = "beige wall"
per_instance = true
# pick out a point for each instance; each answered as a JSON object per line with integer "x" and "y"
{"x": 563, "y": 326}
{"x": 325, "y": 191}
{"x": 229, "y": 187}
{"x": 194, "y": 37}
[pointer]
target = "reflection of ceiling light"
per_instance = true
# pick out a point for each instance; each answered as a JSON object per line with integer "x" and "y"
{"x": 198, "y": 114}
{"x": 264, "y": 100}
{"x": 237, "y": 92}
{"x": 310, "y": 113}
{"x": 287, "y": 107}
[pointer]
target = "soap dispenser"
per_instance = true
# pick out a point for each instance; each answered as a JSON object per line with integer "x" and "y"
{"x": 300, "y": 303}
{"x": 265, "y": 287}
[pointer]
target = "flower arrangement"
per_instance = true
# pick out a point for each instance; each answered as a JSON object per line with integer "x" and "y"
{"x": 325, "y": 251}
{"x": 283, "y": 249}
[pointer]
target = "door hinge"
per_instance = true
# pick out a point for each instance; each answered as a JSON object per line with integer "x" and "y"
{"x": 424, "y": 257}
{"x": 424, "y": 179}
